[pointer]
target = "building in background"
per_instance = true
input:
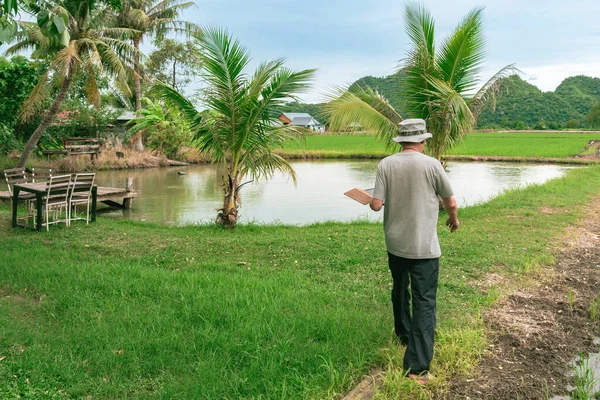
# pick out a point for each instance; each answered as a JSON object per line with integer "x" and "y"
{"x": 301, "y": 119}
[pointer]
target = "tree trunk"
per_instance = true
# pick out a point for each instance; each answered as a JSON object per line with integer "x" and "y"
{"x": 229, "y": 213}
{"x": 139, "y": 144}
{"x": 174, "y": 69}
{"x": 37, "y": 134}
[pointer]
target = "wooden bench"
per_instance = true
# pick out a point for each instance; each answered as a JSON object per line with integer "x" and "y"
{"x": 76, "y": 146}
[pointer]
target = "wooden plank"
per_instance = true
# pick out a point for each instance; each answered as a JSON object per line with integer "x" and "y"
{"x": 49, "y": 152}
{"x": 88, "y": 139}
{"x": 82, "y": 146}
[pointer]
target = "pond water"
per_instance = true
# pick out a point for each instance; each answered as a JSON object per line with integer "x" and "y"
{"x": 173, "y": 199}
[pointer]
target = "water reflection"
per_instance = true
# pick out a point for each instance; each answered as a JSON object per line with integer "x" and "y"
{"x": 170, "y": 198}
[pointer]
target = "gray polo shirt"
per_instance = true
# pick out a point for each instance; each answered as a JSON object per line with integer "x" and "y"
{"x": 409, "y": 185}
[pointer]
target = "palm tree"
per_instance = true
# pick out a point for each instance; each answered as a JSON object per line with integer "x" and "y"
{"x": 440, "y": 86}
{"x": 87, "y": 44}
{"x": 239, "y": 128}
{"x": 151, "y": 17}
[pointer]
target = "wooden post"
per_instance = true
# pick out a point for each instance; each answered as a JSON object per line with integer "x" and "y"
{"x": 129, "y": 188}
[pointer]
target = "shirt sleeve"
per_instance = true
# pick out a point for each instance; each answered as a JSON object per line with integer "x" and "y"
{"x": 442, "y": 183}
{"x": 380, "y": 188}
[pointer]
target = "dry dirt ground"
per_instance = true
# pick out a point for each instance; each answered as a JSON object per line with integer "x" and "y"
{"x": 536, "y": 331}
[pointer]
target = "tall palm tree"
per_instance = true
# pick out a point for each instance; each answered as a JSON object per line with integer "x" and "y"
{"x": 440, "y": 85}
{"x": 151, "y": 17}
{"x": 239, "y": 129}
{"x": 88, "y": 44}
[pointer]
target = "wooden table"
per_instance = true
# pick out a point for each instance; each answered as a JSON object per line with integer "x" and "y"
{"x": 39, "y": 190}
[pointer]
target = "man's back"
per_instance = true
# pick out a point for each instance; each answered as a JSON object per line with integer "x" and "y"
{"x": 409, "y": 184}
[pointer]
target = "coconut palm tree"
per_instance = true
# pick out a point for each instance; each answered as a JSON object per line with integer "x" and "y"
{"x": 151, "y": 17}
{"x": 86, "y": 43}
{"x": 239, "y": 128}
{"x": 440, "y": 84}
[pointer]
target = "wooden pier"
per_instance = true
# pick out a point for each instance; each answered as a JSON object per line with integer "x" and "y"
{"x": 112, "y": 197}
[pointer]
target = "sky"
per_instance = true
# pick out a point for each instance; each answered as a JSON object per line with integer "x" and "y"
{"x": 344, "y": 40}
{"x": 548, "y": 40}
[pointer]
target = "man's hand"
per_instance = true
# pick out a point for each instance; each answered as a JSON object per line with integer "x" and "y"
{"x": 453, "y": 224}
{"x": 452, "y": 210}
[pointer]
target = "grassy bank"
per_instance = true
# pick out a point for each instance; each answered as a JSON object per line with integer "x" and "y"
{"x": 135, "y": 310}
{"x": 534, "y": 145}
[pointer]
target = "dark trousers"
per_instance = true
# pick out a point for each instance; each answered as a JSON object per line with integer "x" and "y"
{"x": 415, "y": 332}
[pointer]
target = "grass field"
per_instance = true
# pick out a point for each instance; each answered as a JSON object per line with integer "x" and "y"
{"x": 549, "y": 145}
{"x": 134, "y": 310}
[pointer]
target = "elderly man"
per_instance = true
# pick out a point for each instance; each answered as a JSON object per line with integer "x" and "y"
{"x": 409, "y": 184}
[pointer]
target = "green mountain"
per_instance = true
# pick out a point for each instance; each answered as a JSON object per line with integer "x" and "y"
{"x": 519, "y": 104}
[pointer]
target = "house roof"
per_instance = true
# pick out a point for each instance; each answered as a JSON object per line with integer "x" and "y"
{"x": 301, "y": 119}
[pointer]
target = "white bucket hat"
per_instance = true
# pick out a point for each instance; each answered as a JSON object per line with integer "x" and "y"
{"x": 413, "y": 131}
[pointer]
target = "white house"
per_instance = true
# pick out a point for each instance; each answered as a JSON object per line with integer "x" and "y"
{"x": 301, "y": 119}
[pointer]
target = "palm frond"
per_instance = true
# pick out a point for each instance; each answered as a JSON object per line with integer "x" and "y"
{"x": 32, "y": 105}
{"x": 420, "y": 27}
{"x": 168, "y": 94}
{"x": 450, "y": 118}
{"x": 488, "y": 92}
{"x": 365, "y": 107}
{"x": 92, "y": 92}
{"x": 462, "y": 53}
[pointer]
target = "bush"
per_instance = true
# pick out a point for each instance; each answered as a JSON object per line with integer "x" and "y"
{"x": 520, "y": 126}
{"x": 554, "y": 125}
{"x": 8, "y": 142}
{"x": 573, "y": 124}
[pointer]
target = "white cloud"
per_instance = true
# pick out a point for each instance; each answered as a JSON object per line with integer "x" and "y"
{"x": 548, "y": 77}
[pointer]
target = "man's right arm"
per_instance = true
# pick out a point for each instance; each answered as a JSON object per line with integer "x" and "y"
{"x": 452, "y": 210}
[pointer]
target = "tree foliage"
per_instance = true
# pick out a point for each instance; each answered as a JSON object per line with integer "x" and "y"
{"x": 18, "y": 76}
{"x": 174, "y": 63}
{"x": 151, "y": 17}
{"x": 95, "y": 47}
{"x": 164, "y": 128}
{"x": 592, "y": 119}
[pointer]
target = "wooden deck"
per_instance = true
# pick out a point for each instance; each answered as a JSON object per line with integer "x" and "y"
{"x": 112, "y": 197}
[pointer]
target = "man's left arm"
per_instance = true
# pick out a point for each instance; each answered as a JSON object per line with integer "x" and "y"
{"x": 379, "y": 190}
{"x": 376, "y": 204}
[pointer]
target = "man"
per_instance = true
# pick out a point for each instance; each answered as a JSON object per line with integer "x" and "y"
{"x": 409, "y": 183}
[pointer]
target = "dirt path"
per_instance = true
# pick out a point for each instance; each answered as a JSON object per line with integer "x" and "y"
{"x": 535, "y": 332}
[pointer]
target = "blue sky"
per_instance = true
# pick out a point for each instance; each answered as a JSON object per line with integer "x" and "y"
{"x": 347, "y": 39}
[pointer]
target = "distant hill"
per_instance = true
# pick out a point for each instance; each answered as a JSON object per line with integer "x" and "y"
{"x": 520, "y": 104}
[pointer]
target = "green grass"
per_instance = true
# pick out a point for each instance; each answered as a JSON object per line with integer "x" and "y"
{"x": 585, "y": 381}
{"x": 552, "y": 145}
{"x": 549, "y": 145}
{"x": 134, "y": 310}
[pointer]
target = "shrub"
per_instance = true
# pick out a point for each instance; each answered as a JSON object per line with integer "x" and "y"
{"x": 573, "y": 124}
{"x": 8, "y": 142}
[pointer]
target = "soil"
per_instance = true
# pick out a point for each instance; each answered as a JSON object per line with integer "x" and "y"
{"x": 595, "y": 144}
{"x": 535, "y": 333}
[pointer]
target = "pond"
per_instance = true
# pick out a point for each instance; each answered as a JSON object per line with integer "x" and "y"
{"x": 173, "y": 199}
